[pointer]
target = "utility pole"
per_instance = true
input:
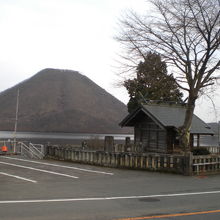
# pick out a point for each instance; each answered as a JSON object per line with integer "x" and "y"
{"x": 16, "y": 120}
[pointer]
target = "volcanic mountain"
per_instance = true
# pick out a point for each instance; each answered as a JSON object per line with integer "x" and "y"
{"x": 61, "y": 101}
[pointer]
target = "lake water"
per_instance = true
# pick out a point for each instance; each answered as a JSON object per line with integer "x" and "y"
{"x": 60, "y": 136}
{"x": 78, "y": 138}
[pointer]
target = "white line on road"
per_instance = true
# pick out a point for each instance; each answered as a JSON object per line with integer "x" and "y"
{"x": 18, "y": 177}
{"x": 106, "y": 198}
{"x": 56, "y": 165}
{"x": 45, "y": 171}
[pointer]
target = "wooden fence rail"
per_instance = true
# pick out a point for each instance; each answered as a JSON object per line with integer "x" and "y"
{"x": 213, "y": 149}
{"x": 154, "y": 162}
{"x": 206, "y": 164}
{"x": 187, "y": 165}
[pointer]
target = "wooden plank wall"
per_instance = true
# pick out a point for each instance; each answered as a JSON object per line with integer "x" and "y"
{"x": 150, "y": 135}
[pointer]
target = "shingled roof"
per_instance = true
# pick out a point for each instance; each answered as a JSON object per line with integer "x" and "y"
{"x": 167, "y": 116}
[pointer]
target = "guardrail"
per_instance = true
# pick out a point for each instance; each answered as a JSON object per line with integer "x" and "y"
{"x": 29, "y": 150}
{"x": 37, "y": 149}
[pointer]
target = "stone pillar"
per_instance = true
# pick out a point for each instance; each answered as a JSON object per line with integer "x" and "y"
{"x": 127, "y": 144}
{"x": 109, "y": 144}
{"x": 84, "y": 145}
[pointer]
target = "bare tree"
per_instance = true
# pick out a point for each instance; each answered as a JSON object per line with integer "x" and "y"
{"x": 186, "y": 33}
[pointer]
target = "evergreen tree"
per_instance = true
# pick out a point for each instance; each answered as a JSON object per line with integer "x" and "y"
{"x": 153, "y": 82}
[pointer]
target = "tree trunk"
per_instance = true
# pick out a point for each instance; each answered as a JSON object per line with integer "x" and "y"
{"x": 184, "y": 130}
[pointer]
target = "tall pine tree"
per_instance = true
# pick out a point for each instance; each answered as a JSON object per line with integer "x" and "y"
{"x": 153, "y": 82}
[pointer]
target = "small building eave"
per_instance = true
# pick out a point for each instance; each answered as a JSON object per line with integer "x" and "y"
{"x": 193, "y": 132}
{"x": 128, "y": 120}
{"x": 198, "y": 126}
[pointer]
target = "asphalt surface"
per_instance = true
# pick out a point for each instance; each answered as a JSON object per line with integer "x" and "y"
{"x": 55, "y": 190}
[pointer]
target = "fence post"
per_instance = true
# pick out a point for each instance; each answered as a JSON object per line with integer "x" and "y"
{"x": 127, "y": 146}
{"x": 188, "y": 164}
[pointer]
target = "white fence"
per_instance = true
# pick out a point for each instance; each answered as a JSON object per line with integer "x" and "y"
{"x": 25, "y": 149}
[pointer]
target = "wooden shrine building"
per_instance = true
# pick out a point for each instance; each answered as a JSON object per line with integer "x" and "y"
{"x": 156, "y": 125}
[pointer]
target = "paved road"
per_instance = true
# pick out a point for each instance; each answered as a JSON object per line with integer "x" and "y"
{"x": 55, "y": 190}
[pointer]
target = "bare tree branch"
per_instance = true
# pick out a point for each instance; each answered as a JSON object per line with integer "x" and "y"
{"x": 186, "y": 34}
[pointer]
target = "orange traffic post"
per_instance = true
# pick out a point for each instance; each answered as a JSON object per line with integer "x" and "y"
{"x": 4, "y": 149}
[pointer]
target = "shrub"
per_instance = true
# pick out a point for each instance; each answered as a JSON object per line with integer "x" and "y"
{"x": 94, "y": 143}
{"x": 200, "y": 151}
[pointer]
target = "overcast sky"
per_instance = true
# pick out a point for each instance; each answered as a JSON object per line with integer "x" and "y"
{"x": 68, "y": 34}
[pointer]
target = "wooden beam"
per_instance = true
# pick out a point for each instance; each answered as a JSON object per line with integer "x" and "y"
{"x": 198, "y": 140}
{"x": 191, "y": 141}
